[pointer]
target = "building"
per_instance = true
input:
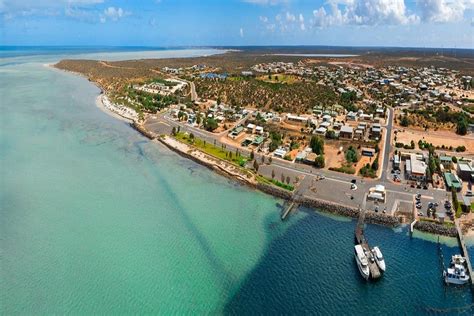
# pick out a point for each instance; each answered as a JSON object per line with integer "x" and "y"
{"x": 415, "y": 169}
{"x": 452, "y": 181}
{"x": 346, "y": 132}
{"x": 320, "y": 130}
{"x": 369, "y": 152}
{"x": 376, "y": 131}
{"x": 351, "y": 116}
{"x": 310, "y": 158}
{"x": 280, "y": 153}
{"x": 446, "y": 162}
{"x": 236, "y": 132}
{"x": 465, "y": 170}
{"x": 296, "y": 119}
{"x": 377, "y": 193}
{"x": 250, "y": 128}
{"x": 396, "y": 162}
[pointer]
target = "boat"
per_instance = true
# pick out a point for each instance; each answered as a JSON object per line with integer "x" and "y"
{"x": 362, "y": 262}
{"x": 458, "y": 259}
{"x": 379, "y": 258}
{"x": 456, "y": 274}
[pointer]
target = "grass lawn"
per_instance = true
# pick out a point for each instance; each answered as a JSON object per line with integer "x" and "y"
{"x": 212, "y": 150}
{"x": 285, "y": 186}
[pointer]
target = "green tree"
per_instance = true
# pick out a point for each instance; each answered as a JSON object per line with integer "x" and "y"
{"x": 351, "y": 155}
{"x": 462, "y": 125}
{"x": 319, "y": 162}
{"x": 273, "y": 174}
{"x": 317, "y": 145}
{"x": 404, "y": 121}
{"x": 210, "y": 124}
{"x": 255, "y": 165}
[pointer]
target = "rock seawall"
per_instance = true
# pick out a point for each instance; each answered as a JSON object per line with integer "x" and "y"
{"x": 338, "y": 209}
{"x": 275, "y": 191}
{"x": 438, "y": 229}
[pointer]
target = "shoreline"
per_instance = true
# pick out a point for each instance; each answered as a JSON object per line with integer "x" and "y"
{"x": 319, "y": 204}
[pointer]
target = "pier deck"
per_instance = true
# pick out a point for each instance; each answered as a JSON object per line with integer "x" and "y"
{"x": 464, "y": 250}
{"x": 361, "y": 240}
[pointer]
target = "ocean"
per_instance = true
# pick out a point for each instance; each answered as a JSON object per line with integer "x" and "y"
{"x": 96, "y": 219}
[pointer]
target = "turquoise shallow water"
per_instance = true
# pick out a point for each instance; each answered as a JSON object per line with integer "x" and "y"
{"x": 97, "y": 219}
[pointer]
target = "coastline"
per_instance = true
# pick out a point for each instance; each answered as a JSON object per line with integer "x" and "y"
{"x": 322, "y": 205}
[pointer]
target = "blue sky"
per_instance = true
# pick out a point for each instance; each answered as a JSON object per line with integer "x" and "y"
{"x": 414, "y": 23}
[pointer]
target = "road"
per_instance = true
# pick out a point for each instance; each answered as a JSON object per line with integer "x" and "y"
{"x": 335, "y": 187}
{"x": 387, "y": 146}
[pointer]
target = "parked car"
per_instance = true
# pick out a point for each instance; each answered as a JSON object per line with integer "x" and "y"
{"x": 468, "y": 193}
{"x": 418, "y": 196}
{"x": 419, "y": 206}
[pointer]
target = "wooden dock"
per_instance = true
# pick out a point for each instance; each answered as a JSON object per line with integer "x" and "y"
{"x": 361, "y": 240}
{"x": 464, "y": 250}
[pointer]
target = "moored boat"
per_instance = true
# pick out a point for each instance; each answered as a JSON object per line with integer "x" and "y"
{"x": 379, "y": 259}
{"x": 456, "y": 274}
{"x": 362, "y": 261}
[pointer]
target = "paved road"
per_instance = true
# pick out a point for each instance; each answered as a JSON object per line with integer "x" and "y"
{"x": 194, "y": 95}
{"x": 387, "y": 146}
{"x": 335, "y": 187}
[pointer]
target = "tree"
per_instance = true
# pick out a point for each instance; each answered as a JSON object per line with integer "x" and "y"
{"x": 319, "y": 162}
{"x": 270, "y": 159}
{"x": 375, "y": 164}
{"x": 351, "y": 155}
{"x": 210, "y": 124}
{"x": 173, "y": 131}
{"x": 252, "y": 155}
{"x": 282, "y": 178}
{"x": 462, "y": 125}
{"x": 191, "y": 137}
{"x": 317, "y": 145}
{"x": 288, "y": 180}
{"x": 255, "y": 165}
{"x": 404, "y": 121}
{"x": 273, "y": 174}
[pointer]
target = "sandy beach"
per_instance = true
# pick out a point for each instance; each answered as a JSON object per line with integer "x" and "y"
{"x": 118, "y": 111}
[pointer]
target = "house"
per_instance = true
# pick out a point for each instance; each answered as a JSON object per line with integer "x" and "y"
{"x": 359, "y": 134}
{"x": 325, "y": 124}
{"x": 375, "y": 131}
{"x": 280, "y": 153}
{"x": 346, "y": 132}
{"x": 366, "y": 117}
{"x": 369, "y": 152}
{"x": 258, "y": 129}
{"x": 465, "y": 170}
{"x": 351, "y": 116}
{"x": 446, "y": 162}
{"x": 236, "y": 132}
{"x": 379, "y": 112}
{"x": 301, "y": 156}
{"x": 327, "y": 118}
{"x": 452, "y": 181}
{"x": 320, "y": 130}
{"x": 258, "y": 141}
{"x": 310, "y": 158}
{"x": 250, "y": 128}
{"x": 396, "y": 162}
{"x": 415, "y": 169}
{"x": 296, "y": 119}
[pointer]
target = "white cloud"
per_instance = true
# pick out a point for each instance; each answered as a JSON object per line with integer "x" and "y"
{"x": 290, "y": 17}
{"x": 241, "y": 32}
{"x": 363, "y": 12}
{"x": 301, "y": 19}
{"x": 263, "y": 19}
{"x": 113, "y": 14}
{"x": 442, "y": 11}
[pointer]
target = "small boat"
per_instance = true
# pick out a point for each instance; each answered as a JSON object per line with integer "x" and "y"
{"x": 362, "y": 262}
{"x": 458, "y": 259}
{"x": 456, "y": 274}
{"x": 379, "y": 258}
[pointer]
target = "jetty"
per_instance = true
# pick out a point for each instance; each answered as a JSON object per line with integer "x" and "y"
{"x": 361, "y": 240}
{"x": 465, "y": 253}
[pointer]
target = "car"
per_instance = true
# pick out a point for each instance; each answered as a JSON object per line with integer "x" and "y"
{"x": 430, "y": 205}
{"x": 420, "y": 213}
{"x": 353, "y": 186}
{"x": 418, "y": 196}
{"x": 435, "y": 204}
{"x": 376, "y": 209}
{"x": 468, "y": 193}
{"x": 419, "y": 206}
{"x": 353, "y": 181}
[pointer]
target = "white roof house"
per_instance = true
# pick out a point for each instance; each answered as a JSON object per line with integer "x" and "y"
{"x": 280, "y": 152}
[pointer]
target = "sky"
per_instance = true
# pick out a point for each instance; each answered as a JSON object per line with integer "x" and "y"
{"x": 400, "y": 23}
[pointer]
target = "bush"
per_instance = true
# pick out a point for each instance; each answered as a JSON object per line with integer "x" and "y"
{"x": 454, "y": 159}
{"x": 319, "y": 162}
{"x": 344, "y": 169}
{"x": 317, "y": 145}
{"x": 460, "y": 149}
{"x": 351, "y": 155}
